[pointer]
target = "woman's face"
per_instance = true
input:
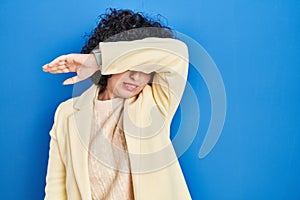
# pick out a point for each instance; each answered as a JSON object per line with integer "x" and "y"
{"x": 126, "y": 84}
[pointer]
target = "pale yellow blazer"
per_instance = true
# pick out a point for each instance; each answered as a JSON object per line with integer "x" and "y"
{"x": 156, "y": 172}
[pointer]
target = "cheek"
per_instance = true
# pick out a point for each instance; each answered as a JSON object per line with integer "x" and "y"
{"x": 116, "y": 80}
{"x": 146, "y": 79}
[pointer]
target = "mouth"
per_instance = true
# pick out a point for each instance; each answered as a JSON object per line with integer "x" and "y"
{"x": 129, "y": 86}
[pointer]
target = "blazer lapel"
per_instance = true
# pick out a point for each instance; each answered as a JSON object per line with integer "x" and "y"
{"x": 79, "y": 132}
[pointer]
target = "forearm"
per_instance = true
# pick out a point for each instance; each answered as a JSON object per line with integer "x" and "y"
{"x": 165, "y": 56}
{"x": 146, "y": 55}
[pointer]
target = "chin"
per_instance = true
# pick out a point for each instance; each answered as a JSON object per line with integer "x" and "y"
{"x": 128, "y": 95}
{"x": 125, "y": 95}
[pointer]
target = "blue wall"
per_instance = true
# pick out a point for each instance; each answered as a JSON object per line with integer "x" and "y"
{"x": 256, "y": 46}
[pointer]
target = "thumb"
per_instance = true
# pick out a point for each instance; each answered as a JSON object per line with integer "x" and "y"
{"x": 72, "y": 80}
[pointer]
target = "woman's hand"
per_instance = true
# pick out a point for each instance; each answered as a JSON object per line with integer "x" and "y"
{"x": 84, "y": 65}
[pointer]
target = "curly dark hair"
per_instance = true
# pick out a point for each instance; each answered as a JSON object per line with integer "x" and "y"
{"x": 123, "y": 25}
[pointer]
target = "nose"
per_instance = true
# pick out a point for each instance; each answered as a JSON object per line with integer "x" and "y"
{"x": 135, "y": 75}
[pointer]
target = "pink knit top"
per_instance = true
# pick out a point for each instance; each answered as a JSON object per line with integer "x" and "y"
{"x": 108, "y": 162}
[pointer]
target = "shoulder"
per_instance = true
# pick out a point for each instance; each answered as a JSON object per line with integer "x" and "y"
{"x": 66, "y": 105}
{"x": 65, "y": 109}
{"x": 71, "y": 105}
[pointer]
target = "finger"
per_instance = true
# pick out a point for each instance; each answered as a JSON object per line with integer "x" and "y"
{"x": 62, "y": 67}
{"x": 58, "y": 63}
{"x": 48, "y": 68}
{"x": 72, "y": 80}
{"x": 57, "y": 60}
{"x": 54, "y": 70}
{"x": 45, "y": 67}
{"x": 58, "y": 69}
{"x": 65, "y": 70}
{"x": 62, "y": 62}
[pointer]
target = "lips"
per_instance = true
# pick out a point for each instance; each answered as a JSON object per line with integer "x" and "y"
{"x": 129, "y": 86}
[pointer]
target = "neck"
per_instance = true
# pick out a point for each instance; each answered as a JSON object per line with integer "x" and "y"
{"x": 105, "y": 95}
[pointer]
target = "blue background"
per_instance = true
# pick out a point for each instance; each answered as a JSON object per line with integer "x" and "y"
{"x": 255, "y": 45}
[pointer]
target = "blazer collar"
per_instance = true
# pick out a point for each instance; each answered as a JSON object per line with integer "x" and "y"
{"x": 86, "y": 98}
{"x": 80, "y": 124}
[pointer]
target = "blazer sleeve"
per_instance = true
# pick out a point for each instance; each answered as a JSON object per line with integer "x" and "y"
{"x": 167, "y": 57}
{"x": 55, "y": 188}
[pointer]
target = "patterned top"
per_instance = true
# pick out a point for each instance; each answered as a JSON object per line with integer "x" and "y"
{"x": 108, "y": 162}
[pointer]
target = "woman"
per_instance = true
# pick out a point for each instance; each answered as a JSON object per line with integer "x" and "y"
{"x": 113, "y": 141}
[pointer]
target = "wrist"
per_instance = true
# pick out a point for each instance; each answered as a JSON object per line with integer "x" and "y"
{"x": 97, "y": 56}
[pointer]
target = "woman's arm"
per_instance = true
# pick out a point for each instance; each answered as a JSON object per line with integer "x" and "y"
{"x": 166, "y": 56}
{"x": 56, "y": 175}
